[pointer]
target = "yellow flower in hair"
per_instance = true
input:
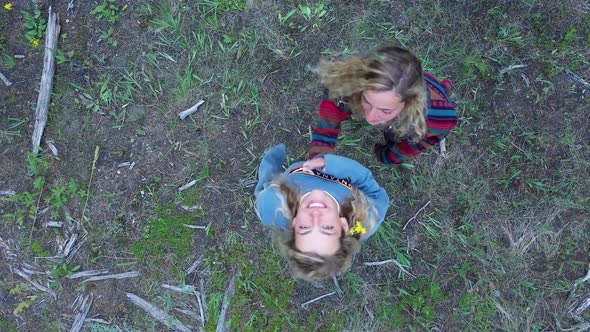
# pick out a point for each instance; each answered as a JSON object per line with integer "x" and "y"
{"x": 8, "y": 6}
{"x": 358, "y": 229}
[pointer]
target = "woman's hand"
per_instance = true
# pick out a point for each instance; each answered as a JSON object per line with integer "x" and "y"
{"x": 315, "y": 163}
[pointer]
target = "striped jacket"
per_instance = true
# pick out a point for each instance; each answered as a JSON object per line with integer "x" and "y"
{"x": 441, "y": 118}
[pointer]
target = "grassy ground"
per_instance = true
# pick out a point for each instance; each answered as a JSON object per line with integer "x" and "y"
{"x": 503, "y": 235}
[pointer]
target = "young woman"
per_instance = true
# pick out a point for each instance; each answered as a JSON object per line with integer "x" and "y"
{"x": 390, "y": 91}
{"x": 321, "y": 215}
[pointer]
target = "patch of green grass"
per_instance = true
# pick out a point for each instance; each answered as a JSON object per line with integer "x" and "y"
{"x": 38, "y": 249}
{"x": 415, "y": 308}
{"x": 165, "y": 235}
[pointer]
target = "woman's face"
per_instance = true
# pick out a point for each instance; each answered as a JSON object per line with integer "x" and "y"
{"x": 318, "y": 225}
{"x": 381, "y": 106}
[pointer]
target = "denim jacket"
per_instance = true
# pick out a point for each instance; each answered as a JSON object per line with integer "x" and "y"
{"x": 337, "y": 178}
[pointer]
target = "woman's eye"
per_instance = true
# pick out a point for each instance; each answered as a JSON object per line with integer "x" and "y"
{"x": 327, "y": 227}
{"x": 303, "y": 227}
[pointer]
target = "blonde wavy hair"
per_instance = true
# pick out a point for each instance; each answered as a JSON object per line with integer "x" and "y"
{"x": 310, "y": 266}
{"x": 387, "y": 69}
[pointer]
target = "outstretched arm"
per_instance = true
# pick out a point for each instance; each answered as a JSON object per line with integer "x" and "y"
{"x": 362, "y": 178}
{"x": 325, "y": 134}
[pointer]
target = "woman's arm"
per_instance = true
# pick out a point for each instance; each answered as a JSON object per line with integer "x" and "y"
{"x": 439, "y": 123}
{"x": 325, "y": 134}
{"x": 271, "y": 207}
{"x": 362, "y": 178}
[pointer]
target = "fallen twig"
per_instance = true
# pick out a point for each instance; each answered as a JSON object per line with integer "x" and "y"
{"x": 203, "y": 302}
{"x": 52, "y": 223}
{"x": 511, "y": 67}
{"x": 188, "y": 185}
{"x": 88, "y": 273}
{"x": 35, "y": 284}
{"x": 443, "y": 147}
{"x": 186, "y": 289}
{"x": 577, "y": 308}
{"x": 96, "y": 153}
{"x": 194, "y": 266}
{"x": 229, "y": 293}
{"x": 158, "y": 314}
{"x": 191, "y": 110}
{"x": 194, "y": 226}
{"x": 579, "y": 282}
{"x": 52, "y": 34}
{"x": 414, "y": 217}
{"x": 190, "y": 208}
{"x": 81, "y": 316}
{"x": 304, "y": 305}
{"x": 338, "y": 289}
{"x": 577, "y": 78}
{"x": 7, "y": 192}
{"x": 401, "y": 267}
{"x": 52, "y": 148}
{"x": 5, "y": 80}
{"x": 189, "y": 313}
{"x": 131, "y": 274}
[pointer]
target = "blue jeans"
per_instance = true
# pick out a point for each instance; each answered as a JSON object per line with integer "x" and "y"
{"x": 270, "y": 165}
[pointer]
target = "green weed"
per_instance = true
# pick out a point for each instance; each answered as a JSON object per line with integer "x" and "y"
{"x": 304, "y": 17}
{"x": 108, "y": 10}
{"x": 36, "y": 25}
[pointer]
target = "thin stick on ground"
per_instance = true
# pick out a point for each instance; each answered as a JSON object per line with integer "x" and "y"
{"x": 417, "y": 213}
{"x": 203, "y": 301}
{"x": 191, "y": 110}
{"x": 96, "y": 153}
{"x": 132, "y": 274}
{"x": 52, "y": 34}
{"x": 398, "y": 264}
{"x": 35, "y": 284}
{"x": 229, "y": 293}
{"x": 81, "y": 316}
{"x": 579, "y": 282}
{"x": 158, "y": 314}
{"x": 304, "y": 305}
{"x": 5, "y": 80}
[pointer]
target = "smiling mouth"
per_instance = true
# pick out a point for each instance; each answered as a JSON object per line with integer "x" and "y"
{"x": 316, "y": 204}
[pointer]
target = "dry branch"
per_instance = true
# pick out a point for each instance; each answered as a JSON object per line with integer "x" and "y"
{"x": 5, "y": 80}
{"x": 189, "y": 313}
{"x": 577, "y": 78}
{"x": 52, "y": 34}
{"x": 304, "y": 305}
{"x": 158, "y": 314}
{"x": 398, "y": 264}
{"x": 188, "y": 185}
{"x": 7, "y": 192}
{"x": 186, "y": 289}
{"x": 131, "y": 274}
{"x": 194, "y": 266}
{"x": 414, "y": 217}
{"x": 35, "y": 284}
{"x": 191, "y": 110}
{"x": 579, "y": 282}
{"x": 203, "y": 301}
{"x": 89, "y": 273}
{"x": 81, "y": 316}
{"x": 229, "y": 293}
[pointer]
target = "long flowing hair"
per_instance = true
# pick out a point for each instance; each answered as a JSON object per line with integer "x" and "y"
{"x": 310, "y": 266}
{"x": 386, "y": 69}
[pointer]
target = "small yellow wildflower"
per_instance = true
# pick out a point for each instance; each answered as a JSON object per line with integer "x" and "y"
{"x": 358, "y": 229}
{"x": 35, "y": 42}
{"x": 8, "y": 6}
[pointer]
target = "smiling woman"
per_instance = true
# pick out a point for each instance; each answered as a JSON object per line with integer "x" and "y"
{"x": 389, "y": 89}
{"x": 321, "y": 212}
